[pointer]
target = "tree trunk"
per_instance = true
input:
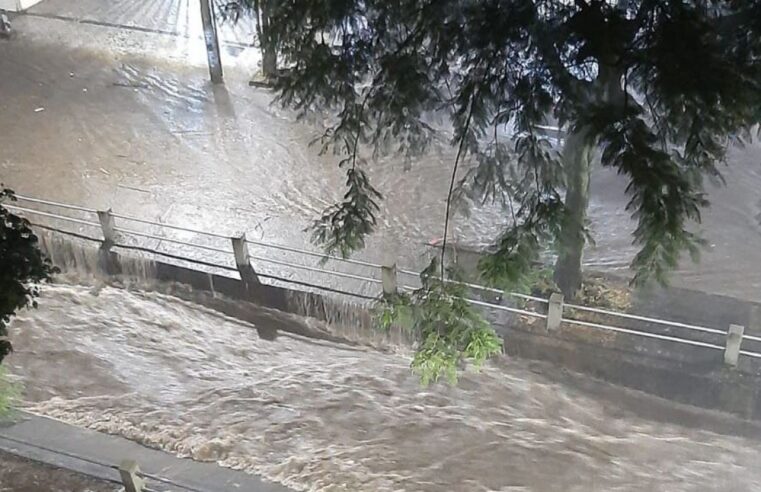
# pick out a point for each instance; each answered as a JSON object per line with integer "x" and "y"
{"x": 269, "y": 61}
{"x": 267, "y": 42}
{"x": 577, "y": 156}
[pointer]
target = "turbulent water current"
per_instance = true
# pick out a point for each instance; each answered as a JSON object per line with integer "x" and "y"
{"x": 102, "y": 115}
{"x": 320, "y": 415}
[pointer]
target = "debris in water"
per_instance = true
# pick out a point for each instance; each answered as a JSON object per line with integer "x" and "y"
{"x": 39, "y": 110}
{"x": 261, "y": 81}
{"x": 131, "y": 85}
{"x": 260, "y": 84}
{"x": 132, "y": 188}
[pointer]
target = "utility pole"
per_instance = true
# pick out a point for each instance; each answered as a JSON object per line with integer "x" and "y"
{"x": 212, "y": 43}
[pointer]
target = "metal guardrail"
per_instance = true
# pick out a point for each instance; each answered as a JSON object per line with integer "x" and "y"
{"x": 168, "y": 226}
{"x": 644, "y": 334}
{"x": 46, "y": 214}
{"x": 557, "y": 310}
{"x": 313, "y": 254}
{"x": 317, "y": 270}
{"x": 481, "y": 288}
{"x": 645, "y": 319}
{"x": 170, "y": 240}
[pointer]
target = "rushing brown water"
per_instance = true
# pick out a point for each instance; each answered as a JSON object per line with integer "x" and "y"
{"x": 129, "y": 121}
{"x": 327, "y": 416}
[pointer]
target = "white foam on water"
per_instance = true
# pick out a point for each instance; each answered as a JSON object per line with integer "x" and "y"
{"x": 328, "y": 416}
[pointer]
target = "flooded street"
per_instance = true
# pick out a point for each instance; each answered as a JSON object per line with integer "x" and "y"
{"x": 107, "y": 104}
{"x": 125, "y": 118}
{"x": 318, "y": 415}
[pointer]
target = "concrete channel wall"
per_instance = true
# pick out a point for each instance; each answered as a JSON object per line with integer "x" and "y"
{"x": 687, "y": 374}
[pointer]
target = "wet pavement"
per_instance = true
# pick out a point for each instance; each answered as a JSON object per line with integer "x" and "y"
{"x": 103, "y": 116}
{"x": 175, "y": 17}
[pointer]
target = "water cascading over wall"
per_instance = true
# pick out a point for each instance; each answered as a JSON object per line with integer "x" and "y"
{"x": 341, "y": 317}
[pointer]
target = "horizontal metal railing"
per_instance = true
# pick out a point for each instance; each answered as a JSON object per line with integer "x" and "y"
{"x": 172, "y": 240}
{"x": 313, "y": 254}
{"x": 483, "y": 288}
{"x": 316, "y": 270}
{"x": 46, "y": 214}
{"x": 645, "y": 319}
{"x": 752, "y": 338}
{"x": 169, "y": 226}
{"x": 644, "y": 334}
{"x": 509, "y": 309}
{"x": 497, "y": 307}
{"x": 56, "y": 204}
{"x": 564, "y": 310}
{"x": 163, "y": 237}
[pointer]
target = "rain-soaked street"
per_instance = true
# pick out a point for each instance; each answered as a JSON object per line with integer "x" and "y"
{"x": 111, "y": 117}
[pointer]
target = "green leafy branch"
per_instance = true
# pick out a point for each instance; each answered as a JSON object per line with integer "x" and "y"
{"x": 449, "y": 333}
{"x": 344, "y": 226}
{"x": 664, "y": 196}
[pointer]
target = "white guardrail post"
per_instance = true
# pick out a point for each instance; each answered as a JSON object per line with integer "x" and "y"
{"x": 108, "y": 262}
{"x": 388, "y": 279}
{"x": 734, "y": 341}
{"x": 106, "y": 219}
{"x": 128, "y": 470}
{"x": 555, "y": 311}
{"x": 243, "y": 261}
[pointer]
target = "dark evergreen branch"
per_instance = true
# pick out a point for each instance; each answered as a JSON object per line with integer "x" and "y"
{"x": 661, "y": 88}
{"x": 22, "y": 267}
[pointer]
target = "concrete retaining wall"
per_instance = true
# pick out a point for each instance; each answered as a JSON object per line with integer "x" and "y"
{"x": 703, "y": 382}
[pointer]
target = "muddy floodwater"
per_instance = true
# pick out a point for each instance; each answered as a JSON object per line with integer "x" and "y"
{"x": 320, "y": 415}
{"x": 106, "y": 116}
{"x": 107, "y": 104}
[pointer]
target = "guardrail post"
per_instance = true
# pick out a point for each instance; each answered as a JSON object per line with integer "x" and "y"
{"x": 555, "y": 311}
{"x": 128, "y": 470}
{"x": 243, "y": 262}
{"x": 107, "y": 260}
{"x": 106, "y": 220}
{"x": 732, "y": 348}
{"x": 388, "y": 279}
